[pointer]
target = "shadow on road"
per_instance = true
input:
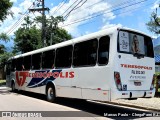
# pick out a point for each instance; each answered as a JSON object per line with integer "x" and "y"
{"x": 99, "y": 109}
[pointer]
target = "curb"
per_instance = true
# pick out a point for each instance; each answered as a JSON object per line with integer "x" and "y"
{"x": 3, "y": 88}
{"x": 134, "y": 106}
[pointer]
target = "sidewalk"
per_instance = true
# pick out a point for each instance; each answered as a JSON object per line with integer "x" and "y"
{"x": 3, "y": 87}
{"x": 143, "y": 103}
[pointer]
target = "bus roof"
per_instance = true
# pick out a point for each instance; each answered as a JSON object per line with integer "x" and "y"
{"x": 104, "y": 32}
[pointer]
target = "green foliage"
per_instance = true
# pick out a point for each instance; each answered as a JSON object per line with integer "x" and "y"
{"x": 28, "y": 22}
{"x": 27, "y": 39}
{"x": 59, "y": 34}
{"x": 4, "y": 57}
{"x": 2, "y": 49}
{"x": 5, "y": 5}
{"x": 4, "y": 37}
{"x": 2, "y": 81}
{"x": 154, "y": 24}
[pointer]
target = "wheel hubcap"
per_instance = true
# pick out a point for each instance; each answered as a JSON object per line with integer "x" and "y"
{"x": 50, "y": 93}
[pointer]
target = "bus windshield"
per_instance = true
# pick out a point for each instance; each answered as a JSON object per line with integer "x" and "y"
{"x": 135, "y": 43}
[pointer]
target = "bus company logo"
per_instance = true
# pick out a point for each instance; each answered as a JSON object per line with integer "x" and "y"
{"x": 21, "y": 76}
{"x": 136, "y": 66}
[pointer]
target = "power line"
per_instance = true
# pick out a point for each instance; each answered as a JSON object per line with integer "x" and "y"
{"x": 60, "y": 6}
{"x": 129, "y": 1}
{"x": 123, "y": 12}
{"x": 69, "y": 7}
{"x": 17, "y": 24}
{"x": 95, "y": 4}
{"x": 18, "y": 21}
{"x": 74, "y": 8}
{"x": 90, "y": 16}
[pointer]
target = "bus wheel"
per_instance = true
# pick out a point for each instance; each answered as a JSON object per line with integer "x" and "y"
{"x": 13, "y": 87}
{"x": 50, "y": 93}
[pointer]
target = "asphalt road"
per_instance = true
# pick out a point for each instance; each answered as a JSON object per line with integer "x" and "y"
{"x": 26, "y": 103}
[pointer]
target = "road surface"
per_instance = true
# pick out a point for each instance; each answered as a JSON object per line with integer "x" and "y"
{"x": 23, "y": 105}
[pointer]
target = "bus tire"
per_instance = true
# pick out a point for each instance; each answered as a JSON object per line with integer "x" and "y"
{"x": 13, "y": 87}
{"x": 50, "y": 93}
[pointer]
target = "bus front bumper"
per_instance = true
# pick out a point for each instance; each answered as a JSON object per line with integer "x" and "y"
{"x": 132, "y": 94}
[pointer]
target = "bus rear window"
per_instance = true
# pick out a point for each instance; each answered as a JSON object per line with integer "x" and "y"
{"x": 135, "y": 43}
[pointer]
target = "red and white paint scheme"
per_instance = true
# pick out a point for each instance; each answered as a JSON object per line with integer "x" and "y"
{"x": 115, "y": 63}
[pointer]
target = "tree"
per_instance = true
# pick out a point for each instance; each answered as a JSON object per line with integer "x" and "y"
{"x": 4, "y": 57}
{"x": 154, "y": 24}
{"x": 5, "y": 5}
{"x": 27, "y": 39}
{"x": 2, "y": 49}
{"x": 27, "y": 23}
{"x": 4, "y": 37}
{"x": 51, "y": 27}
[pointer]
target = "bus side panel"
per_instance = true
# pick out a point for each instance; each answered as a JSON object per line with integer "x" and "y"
{"x": 94, "y": 82}
{"x": 63, "y": 84}
{"x": 101, "y": 95}
{"x": 23, "y": 79}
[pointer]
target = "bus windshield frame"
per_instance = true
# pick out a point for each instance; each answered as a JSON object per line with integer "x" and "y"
{"x": 146, "y": 43}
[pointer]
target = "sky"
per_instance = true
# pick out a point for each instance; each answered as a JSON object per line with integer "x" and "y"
{"x": 87, "y": 17}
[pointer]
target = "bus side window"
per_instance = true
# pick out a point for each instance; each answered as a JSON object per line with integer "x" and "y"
{"x": 103, "y": 52}
{"x": 27, "y": 62}
{"x": 92, "y": 59}
{"x": 13, "y": 65}
{"x": 85, "y": 53}
{"x": 8, "y": 67}
{"x": 148, "y": 47}
{"x": 64, "y": 57}
{"x": 36, "y": 61}
{"x": 48, "y": 59}
{"x": 19, "y": 63}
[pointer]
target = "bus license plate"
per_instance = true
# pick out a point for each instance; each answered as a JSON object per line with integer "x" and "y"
{"x": 137, "y": 83}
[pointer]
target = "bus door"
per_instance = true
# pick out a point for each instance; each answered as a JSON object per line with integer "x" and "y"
{"x": 20, "y": 78}
{"x": 8, "y": 74}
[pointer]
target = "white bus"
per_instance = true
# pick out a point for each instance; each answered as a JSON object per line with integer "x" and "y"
{"x": 116, "y": 63}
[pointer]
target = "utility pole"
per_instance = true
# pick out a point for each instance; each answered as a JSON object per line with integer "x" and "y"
{"x": 42, "y": 10}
